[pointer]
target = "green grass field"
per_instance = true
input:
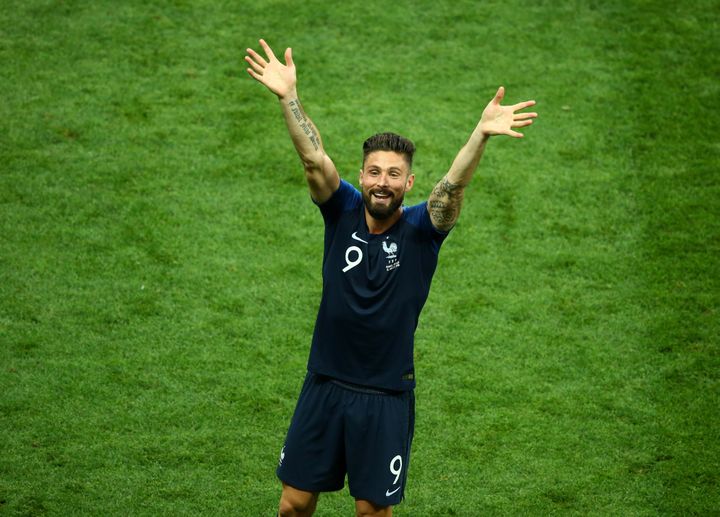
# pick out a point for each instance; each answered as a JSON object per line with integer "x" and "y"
{"x": 160, "y": 257}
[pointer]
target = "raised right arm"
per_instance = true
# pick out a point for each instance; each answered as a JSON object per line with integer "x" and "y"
{"x": 320, "y": 172}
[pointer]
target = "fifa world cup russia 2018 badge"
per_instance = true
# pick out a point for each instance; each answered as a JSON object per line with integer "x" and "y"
{"x": 391, "y": 248}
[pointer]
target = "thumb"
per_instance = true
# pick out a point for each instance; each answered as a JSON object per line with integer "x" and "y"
{"x": 499, "y": 95}
{"x": 288, "y": 57}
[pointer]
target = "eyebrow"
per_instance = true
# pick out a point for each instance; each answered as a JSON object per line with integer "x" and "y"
{"x": 391, "y": 169}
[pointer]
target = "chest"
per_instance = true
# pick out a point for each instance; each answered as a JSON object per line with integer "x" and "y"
{"x": 360, "y": 258}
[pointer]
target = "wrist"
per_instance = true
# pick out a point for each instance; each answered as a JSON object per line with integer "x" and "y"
{"x": 288, "y": 96}
{"x": 480, "y": 136}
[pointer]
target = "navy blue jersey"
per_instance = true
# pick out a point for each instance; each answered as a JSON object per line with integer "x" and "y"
{"x": 374, "y": 287}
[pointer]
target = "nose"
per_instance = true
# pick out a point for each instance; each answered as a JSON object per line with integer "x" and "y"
{"x": 382, "y": 180}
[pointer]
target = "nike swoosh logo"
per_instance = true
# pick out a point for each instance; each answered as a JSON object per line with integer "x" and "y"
{"x": 388, "y": 493}
{"x": 354, "y": 236}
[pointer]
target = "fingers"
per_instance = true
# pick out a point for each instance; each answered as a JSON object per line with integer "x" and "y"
{"x": 522, "y": 123}
{"x": 256, "y": 57}
{"x": 522, "y": 119}
{"x": 268, "y": 51}
{"x": 259, "y": 63}
{"x": 257, "y": 67}
{"x": 500, "y": 95}
{"x": 256, "y": 60}
{"x": 522, "y": 105}
{"x": 254, "y": 74}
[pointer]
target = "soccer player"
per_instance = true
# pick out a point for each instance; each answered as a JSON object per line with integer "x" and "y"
{"x": 355, "y": 412}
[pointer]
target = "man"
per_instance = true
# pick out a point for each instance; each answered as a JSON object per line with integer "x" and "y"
{"x": 355, "y": 413}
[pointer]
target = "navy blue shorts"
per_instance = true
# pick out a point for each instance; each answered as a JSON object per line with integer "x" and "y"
{"x": 340, "y": 428}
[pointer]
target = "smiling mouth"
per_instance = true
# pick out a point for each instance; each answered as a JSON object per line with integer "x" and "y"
{"x": 381, "y": 196}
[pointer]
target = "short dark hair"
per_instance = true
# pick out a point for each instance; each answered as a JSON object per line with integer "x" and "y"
{"x": 389, "y": 142}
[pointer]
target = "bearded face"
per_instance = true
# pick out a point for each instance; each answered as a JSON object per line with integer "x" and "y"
{"x": 382, "y": 203}
{"x": 384, "y": 179}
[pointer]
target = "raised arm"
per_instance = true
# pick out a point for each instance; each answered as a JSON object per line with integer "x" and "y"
{"x": 281, "y": 79}
{"x": 446, "y": 198}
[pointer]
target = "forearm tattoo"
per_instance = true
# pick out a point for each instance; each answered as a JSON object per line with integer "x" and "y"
{"x": 305, "y": 123}
{"x": 445, "y": 202}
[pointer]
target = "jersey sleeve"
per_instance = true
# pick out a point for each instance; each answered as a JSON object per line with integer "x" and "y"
{"x": 346, "y": 197}
{"x": 418, "y": 216}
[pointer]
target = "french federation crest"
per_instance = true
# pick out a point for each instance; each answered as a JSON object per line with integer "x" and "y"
{"x": 391, "y": 248}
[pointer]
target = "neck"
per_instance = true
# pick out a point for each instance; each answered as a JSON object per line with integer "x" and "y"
{"x": 377, "y": 226}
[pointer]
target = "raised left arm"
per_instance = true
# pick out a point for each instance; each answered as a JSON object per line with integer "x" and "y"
{"x": 446, "y": 198}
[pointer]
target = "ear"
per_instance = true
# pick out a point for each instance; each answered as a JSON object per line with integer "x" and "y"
{"x": 410, "y": 182}
{"x": 360, "y": 177}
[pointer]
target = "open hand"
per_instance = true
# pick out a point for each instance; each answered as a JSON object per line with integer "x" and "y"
{"x": 502, "y": 120}
{"x": 277, "y": 77}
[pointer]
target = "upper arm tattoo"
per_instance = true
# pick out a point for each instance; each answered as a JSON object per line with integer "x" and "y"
{"x": 444, "y": 204}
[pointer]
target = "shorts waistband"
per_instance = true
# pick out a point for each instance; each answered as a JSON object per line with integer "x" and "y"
{"x": 361, "y": 389}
